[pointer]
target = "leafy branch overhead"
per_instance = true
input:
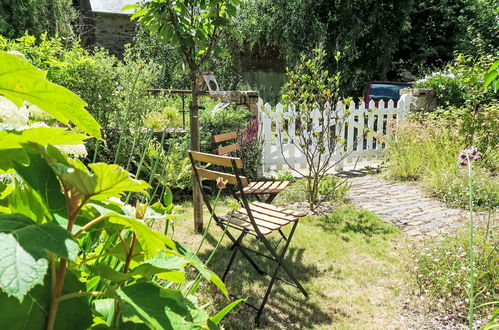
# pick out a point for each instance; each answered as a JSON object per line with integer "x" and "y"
{"x": 193, "y": 27}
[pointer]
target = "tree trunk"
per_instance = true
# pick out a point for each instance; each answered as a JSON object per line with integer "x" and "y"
{"x": 197, "y": 202}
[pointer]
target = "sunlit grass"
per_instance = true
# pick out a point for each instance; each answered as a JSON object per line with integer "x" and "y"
{"x": 347, "y": 261}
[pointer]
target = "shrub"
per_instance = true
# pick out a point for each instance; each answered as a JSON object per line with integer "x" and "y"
{"x": 174, "y": 167}
{"x": 461, "y": 82}
{"x": 310, "y": 89}
{"x": 36, "y": 17}
{"x": 215, "y": 122}
{"x": 334, "y": 189}
{"x": 284, "y": 175}
{"x": 251, "y": 151}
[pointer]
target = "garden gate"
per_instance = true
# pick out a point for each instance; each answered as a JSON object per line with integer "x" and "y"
{"x": 379, "y": 119}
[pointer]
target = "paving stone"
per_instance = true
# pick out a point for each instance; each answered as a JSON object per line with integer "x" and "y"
{"x": 405, "y": 206}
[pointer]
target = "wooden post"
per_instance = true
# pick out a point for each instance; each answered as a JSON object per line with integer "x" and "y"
{"x": 197, "y": 202}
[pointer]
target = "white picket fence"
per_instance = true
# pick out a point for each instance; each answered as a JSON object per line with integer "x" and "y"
{"x": 278, "y": 152}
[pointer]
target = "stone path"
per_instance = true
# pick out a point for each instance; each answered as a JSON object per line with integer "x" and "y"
{"x": 405, "y": 206}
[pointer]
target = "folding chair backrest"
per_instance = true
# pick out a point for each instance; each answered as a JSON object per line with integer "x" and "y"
{"x": 226, "y": 137}
{"x": 231, "y": 162}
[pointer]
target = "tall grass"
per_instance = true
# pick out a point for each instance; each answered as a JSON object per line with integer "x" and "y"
{"x": 426, "y": 151}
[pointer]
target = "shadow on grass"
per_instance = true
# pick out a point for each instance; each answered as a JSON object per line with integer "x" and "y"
{"x": 287, "y": 307}
{"x": 351, "y": 221}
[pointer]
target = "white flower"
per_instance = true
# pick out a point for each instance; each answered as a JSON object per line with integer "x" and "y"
{"x": 37, "y": 113}
{"x": 11, "y": 115}
{"x": 75, "y": 150}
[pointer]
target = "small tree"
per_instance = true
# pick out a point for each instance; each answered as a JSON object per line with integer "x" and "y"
{"x": 194, "y": 27}
{"x": 316, "y": 119}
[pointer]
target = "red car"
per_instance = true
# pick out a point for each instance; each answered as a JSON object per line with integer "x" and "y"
{"x": 384, "y": 90}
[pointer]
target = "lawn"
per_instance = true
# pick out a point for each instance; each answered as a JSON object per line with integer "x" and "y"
{"x": 347, "y": 261}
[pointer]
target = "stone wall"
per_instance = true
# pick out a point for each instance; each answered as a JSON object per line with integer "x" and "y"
{"x": 113, "y": 31}
{"x": 422, "y": 99}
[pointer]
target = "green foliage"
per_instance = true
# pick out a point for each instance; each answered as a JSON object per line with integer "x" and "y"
{"x": 334, "y": 189}
{"x": 72, "y": 252}
{"x": 492, "y": 76}
{"x": 379, "y": 40}
{"x": 282, "y": 30}
{"x": 36, "y": 17}
{"x": 461, "y": 82}
{"x": 313, "y": 94}
{"x": 442, "y": 269}
{"x": 22, "y": 263}
{"x": 215, "y": 122}
{"x": 21, "y": 81}
{"x": 192, "y": 27}
{"x": 428, "y": 150}
{"x": 284, "y": 175}
{"x": 174, "y": 167}
{"x": 167, "y": 118}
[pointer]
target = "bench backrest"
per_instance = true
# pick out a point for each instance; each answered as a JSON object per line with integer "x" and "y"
{"x": 197, "y": 158}
{"x": 220, "y": 138}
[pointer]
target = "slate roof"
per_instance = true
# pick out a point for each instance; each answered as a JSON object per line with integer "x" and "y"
{"x": 112, "y": 6}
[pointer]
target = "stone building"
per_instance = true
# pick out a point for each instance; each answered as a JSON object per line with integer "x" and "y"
{"x": 113, "y": 28}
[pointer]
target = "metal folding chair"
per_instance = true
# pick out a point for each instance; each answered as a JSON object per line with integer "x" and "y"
{"x": 256, "y": 219}
{"x": 256, "y": 188}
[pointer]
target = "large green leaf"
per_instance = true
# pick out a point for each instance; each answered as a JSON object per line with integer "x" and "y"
{"x": 221, "y": 314}
{"x": 106, "y": 308}
{"x": 200, "y": 266}
{"x": 23, "y": 252}
{"x": 31, "y": 313}
{"x": 20, "y": 81}
{"x": 113, "y": 180}
{"x": 108, "y": 273}
{"x": 152, "y": 242}
{"x": 42, "y": 179}
{"x": 166, "y": 266}
{"x": 105, "y": 181}
{"x": 24, "y": 200}
{"x": 7, "y": 156}
{"x": 160, "y": 308}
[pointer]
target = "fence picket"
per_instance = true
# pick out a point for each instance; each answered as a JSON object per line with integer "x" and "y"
{"x": 279, "y": 148}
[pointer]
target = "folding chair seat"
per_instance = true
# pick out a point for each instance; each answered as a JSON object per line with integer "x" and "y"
{"x": 256, "y": 188}
{"x": 267, "y": 217}
{"x": 257, "y": 219}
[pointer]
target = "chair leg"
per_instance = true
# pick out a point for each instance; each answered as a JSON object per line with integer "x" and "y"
{"x": 282, "y": 235}
{"x": 233, "y": 256}
{"x": 237, "y": 246}
{"x": 267, "y": 294}
{"x": 285, "y": 268}
{"x": 280, "y": 264}
{"x": 270, "y": 198}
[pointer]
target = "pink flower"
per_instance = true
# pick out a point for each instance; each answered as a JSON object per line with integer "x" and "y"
{"x": 467, "y": 155}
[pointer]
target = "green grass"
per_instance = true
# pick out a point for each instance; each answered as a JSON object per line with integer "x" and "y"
{"x": 347, "y": 261}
